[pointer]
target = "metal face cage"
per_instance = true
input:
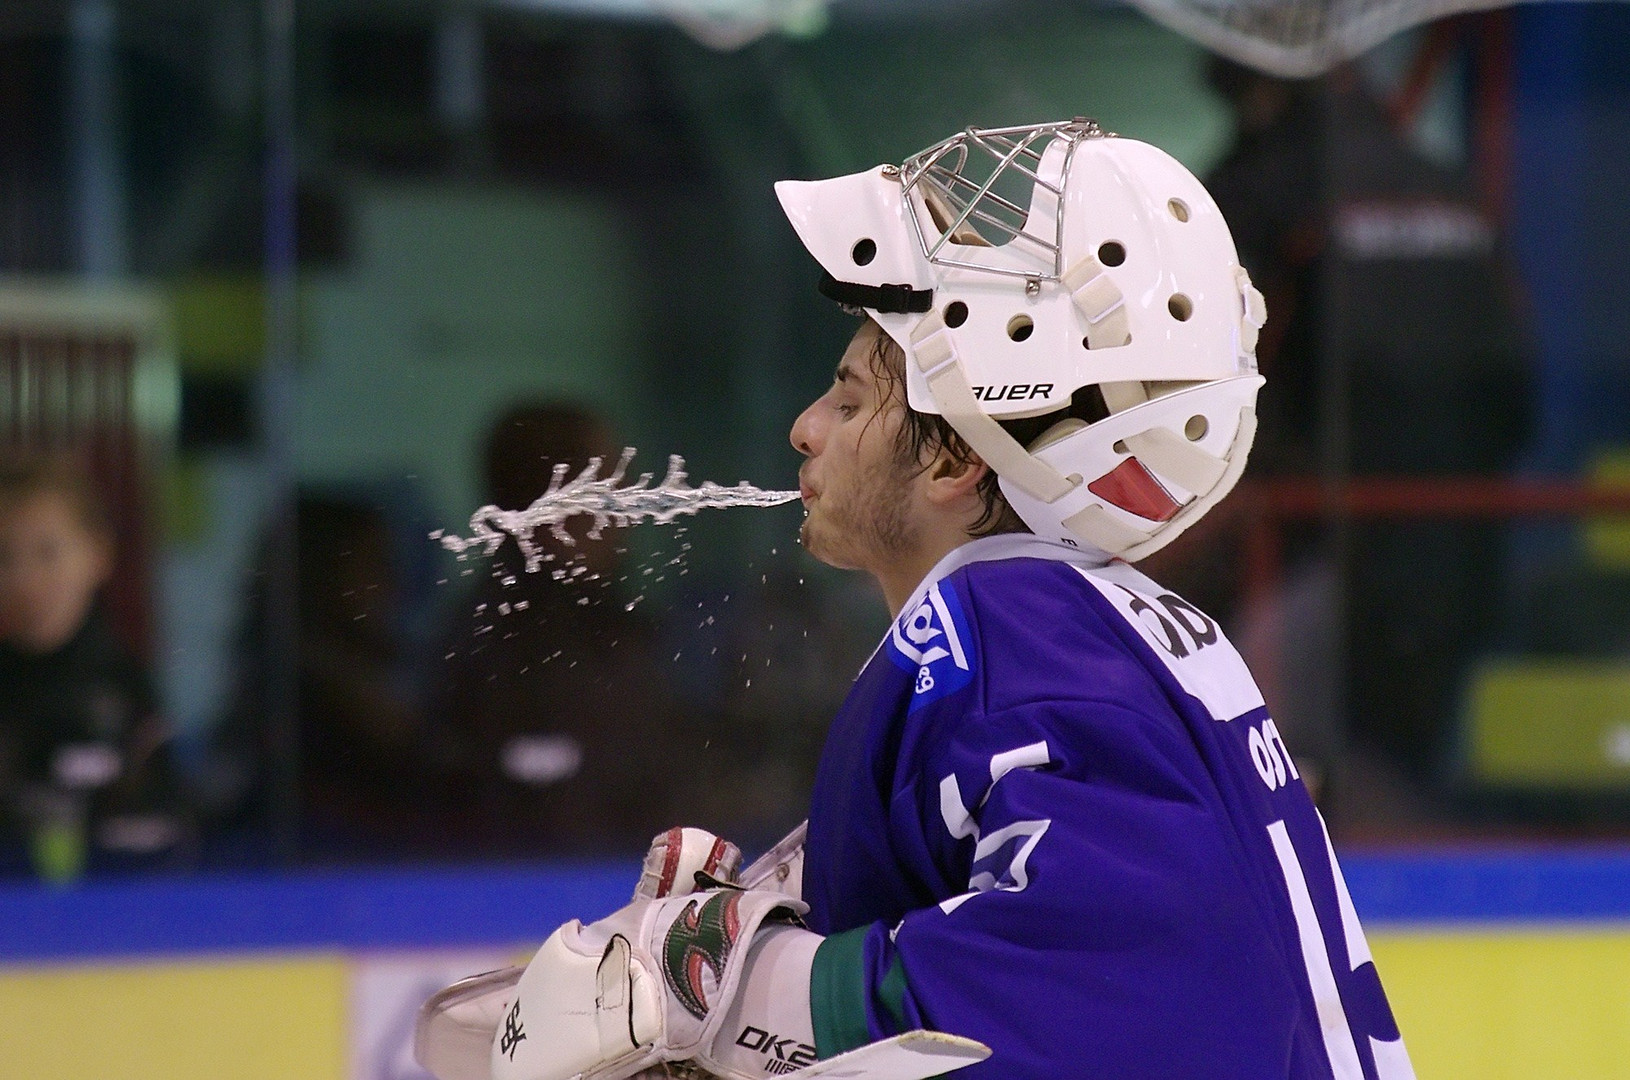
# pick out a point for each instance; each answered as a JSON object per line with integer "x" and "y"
{"x": 978, "y": 188}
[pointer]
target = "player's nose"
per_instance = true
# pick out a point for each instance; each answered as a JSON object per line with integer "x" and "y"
{"x": 804, "y": 432}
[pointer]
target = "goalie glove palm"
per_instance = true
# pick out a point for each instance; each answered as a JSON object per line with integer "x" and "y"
{"x": 648, "y": 984}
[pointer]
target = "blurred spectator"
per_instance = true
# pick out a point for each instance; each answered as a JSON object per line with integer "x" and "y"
{"x": 1392, "y": 349}
{"x": 372, "y": 776}
{"x": 85, "y": 774}
{"x": 1390, "y": 308}
{"x": 552, "y": 681}
{"x": 368, "y": 763}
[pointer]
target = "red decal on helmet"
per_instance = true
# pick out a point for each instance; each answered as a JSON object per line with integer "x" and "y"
{"x": 1134, "y": 489}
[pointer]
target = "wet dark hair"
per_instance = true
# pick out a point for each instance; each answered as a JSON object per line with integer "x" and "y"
{"x": 924, "y": 435}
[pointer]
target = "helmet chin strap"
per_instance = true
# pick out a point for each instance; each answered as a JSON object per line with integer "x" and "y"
{"x": 948, "y": 384}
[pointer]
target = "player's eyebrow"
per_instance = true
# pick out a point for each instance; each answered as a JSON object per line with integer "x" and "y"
{"x": 844, "y": 373}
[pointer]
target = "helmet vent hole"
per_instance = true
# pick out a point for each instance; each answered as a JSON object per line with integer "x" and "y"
{"x": 1196, "y": 428}
{"x": 956, "y": 313}
{"x": 1120, "y": 447}
{"x": 1111, "y": 253}
{"x": 864, "y": 251}
{"x": 1179, "y": 209}
{"x": 1180, "y": 306}
{"x": 1020, "y": 327}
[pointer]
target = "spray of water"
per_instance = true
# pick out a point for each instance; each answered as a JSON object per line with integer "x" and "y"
{"x": 605, "y": 499}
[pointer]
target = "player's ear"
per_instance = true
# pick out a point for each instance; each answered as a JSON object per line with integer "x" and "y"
{"x": 954, "y": 476}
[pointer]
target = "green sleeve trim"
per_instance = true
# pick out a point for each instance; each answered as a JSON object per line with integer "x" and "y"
{"x": 837, "y": 993}
{"x": 891, "y": 994}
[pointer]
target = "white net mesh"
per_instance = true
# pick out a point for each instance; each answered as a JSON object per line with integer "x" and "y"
{"x": 730, "y": 24}
{"x": 1290, "y": 38}
{"x": 1295, "y": 38}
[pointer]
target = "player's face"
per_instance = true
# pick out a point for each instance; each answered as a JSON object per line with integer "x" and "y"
{"x": 50, "y": 569}
{"x": 859, "y": 492}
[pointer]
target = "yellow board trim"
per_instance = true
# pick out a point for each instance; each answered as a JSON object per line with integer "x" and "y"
{"x": 1494, "y": 1003}
{"x": 1510, "y": 1003}
{"x": 243, "y": 1019}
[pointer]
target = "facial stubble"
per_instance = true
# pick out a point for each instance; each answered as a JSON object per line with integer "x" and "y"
{"x": 872, "y": 525}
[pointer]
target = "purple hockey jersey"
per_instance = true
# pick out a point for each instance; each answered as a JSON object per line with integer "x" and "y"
{"x": 1054, "y": 815}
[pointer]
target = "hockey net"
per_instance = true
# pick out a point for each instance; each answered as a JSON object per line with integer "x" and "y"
{"x": 1298, "y": 38}
{"x": 1289, "y": 38}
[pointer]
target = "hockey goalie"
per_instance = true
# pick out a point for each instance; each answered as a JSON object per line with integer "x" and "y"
{"x": 1055, "y": 833}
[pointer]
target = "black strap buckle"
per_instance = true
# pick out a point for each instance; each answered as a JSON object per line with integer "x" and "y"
{"x": 886, "y": 299}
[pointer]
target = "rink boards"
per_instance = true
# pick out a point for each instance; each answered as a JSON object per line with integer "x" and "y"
{"x": 1509, "y": 965}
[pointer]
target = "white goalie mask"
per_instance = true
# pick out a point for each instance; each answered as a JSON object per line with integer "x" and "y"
{"x": 1017, "y": 266}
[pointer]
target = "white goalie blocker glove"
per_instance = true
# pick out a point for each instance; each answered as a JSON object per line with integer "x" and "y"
{"x": 664, "y": 981}
{"x": 718, "y": 980}
{"x": 459, "y": 1027}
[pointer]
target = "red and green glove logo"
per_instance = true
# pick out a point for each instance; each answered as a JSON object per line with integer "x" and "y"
{"x": 701, "y": 937}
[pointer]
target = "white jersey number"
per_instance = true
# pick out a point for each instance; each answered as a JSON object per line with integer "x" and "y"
{"x": 1391, "y": 1060}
